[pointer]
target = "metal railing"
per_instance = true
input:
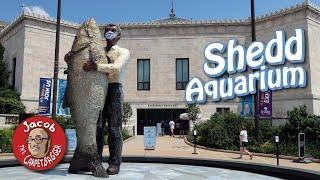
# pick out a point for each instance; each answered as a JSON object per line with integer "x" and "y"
{"x": 9, "y": 119}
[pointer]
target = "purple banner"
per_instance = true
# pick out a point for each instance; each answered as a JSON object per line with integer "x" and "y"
{"x": 265, "y": 104}
{"x": 45, "y": 96}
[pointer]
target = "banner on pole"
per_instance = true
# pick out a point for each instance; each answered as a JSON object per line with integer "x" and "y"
{"x": 44, "y": 96}
{"x": 246, "y": 106}
{"x": 265, "y": 104}
{"x": 61, "y": 90}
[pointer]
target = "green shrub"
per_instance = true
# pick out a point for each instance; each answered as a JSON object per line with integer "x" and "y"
{"x": 219, "y": 131}
{"x": 290, "y": 149}
{"x": 5, "y": 140}
{"x": 301, "y": 121}
{"x": 268, "y": 147}
{"x": 222, "y": 132}
{"x": 11, "y": 106}
{"x": 212, "y": 134}
{"x": 313, "y": 149}
{"x": 10, "y": 102}
{"x": 8, "y": 93}
{"x": 232, "y": 123}
{"x": 65, "y": 122}
{"x": 125, "y": 135}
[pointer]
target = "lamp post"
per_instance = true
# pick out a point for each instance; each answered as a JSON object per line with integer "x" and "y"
{"x": 56, "y": 62}
{"x": 195, "y": 141}
{"x": 256, "y": 96}
{"x": 276, "y": 140}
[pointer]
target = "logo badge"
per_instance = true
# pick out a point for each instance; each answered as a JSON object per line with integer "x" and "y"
{"x": 39, "y": 143}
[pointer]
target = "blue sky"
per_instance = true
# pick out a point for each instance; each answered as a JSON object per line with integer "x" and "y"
{"x": 145, "y": 10}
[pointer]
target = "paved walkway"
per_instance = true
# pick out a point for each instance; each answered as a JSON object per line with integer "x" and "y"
{"x": 176, "y": 147}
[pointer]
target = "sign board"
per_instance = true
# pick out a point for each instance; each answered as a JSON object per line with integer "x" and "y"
{"x": 257, "y": 56}
{"x": 72, "y": 139}
{"x": 150, "y": 137}
{"x": 265, "y": 103}
{"x": 44, "y": 96}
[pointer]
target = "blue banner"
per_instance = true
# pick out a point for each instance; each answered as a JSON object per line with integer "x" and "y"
{"x": 246, "y": 106}
{"x": 44, "y": 96}
{"x": 62, "y": 88}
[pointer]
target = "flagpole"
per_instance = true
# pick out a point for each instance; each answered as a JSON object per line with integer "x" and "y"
{"x": 256, "y": 96}
{"x": 56, "y": 61}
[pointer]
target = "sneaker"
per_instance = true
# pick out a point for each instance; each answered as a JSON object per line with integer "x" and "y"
{"x": 113, "y": 169}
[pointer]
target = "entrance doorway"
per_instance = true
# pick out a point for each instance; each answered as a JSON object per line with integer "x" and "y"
{"x": 150, "y": 117}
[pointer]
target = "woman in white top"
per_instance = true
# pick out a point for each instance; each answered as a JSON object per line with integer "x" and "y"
{"x": 244, "y": 142}
{"x": 171, "y": 125}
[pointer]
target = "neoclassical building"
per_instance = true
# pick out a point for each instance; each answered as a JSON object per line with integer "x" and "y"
{"x": 2, "y": 25}
{"x": 165, "y": 55}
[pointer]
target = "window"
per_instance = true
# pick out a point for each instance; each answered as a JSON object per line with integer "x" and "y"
{"x": 223, "y": 110}
{"x": 14, "y": 66}
{"x": 182, "y": 73}
{"x": 143, "y": 74}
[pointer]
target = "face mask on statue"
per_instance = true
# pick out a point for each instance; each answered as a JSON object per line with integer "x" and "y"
{"x": 110, "y": 35}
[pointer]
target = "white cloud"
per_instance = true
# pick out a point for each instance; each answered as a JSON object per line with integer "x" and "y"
{"x": 35, "y": 10}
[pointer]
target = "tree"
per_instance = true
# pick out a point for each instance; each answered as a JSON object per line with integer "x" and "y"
{"x": 10, "y": 102}
{"x": 127, "y": 113}
{"x": 4, "y": 75}
{"x": 193, "y": 112}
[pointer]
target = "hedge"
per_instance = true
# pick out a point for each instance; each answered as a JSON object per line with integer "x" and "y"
{"x": 222, "y": 132}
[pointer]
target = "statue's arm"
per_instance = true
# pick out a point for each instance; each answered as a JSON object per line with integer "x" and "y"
{"x": 117, "y": 66}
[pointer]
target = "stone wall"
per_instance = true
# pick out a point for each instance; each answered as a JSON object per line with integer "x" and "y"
{"x": 39, "y": 59}
{"x": 285, "y": 100}
{"x": 314, "y": 54}
{"x": 32, "y": 41}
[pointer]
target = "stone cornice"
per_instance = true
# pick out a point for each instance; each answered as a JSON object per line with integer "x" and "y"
{"x": 67, "y": 24}
{"x": 3, "y": 24}
{"x": 37, "y": 17}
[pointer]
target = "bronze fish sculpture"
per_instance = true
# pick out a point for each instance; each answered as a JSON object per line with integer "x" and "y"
{"x": 86, "y": 96}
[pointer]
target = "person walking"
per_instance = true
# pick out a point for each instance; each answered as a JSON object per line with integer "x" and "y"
{"x": 244, "y": 142}
{"x": 162, "y": 128}
{"x": 171, "y": 125}
{"x": 182, "y": 128}
{"x": 177, "y": 126}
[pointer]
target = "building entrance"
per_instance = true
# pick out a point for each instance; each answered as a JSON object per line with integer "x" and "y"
{"x": 150, "y": 117}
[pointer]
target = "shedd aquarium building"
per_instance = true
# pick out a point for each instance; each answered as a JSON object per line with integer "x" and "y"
{"x": 168, "y": 53}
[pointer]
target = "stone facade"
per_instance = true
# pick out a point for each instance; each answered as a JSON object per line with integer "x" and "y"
{"x": 2, "y": 25}
{"x": 31, "y": 40}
